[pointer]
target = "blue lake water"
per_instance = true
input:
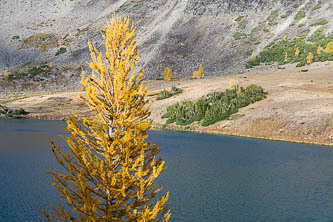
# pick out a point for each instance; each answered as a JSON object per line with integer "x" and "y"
{"x": 210, "y": 178}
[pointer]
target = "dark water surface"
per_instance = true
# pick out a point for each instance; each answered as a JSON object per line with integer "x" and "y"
{"x": 210, "y": 178}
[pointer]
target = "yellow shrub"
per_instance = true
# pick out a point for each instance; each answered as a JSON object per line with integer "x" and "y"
{"x": 297, "y": 52}
{"x": 254, "y": 56}
{"x": 285, "y": 38}
{"x": 329, "y": 48}
{"x": 319, "y": 50}
{"x": 6, "y": 74}
{"x": 167, "y": 74}
{"x": 199, "y": 74}
{"x": 310, "y": 58}
{"x": 286, "y": 57}
{"x": 232, "y": 84}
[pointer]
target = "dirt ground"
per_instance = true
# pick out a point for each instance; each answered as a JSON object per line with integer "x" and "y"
{"x": 299, "y": 105}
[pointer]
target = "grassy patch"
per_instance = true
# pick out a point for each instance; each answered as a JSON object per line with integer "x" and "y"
{"x": 213, "y": 107}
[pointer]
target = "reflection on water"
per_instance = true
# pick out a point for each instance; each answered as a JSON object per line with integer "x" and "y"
{"x": 210, "y": 178}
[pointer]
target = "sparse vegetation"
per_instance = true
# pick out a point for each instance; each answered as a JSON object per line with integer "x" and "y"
{"x": 316, "y": 7}
{"x": 31, "y": 73}
{"x": 283, "y": 16}
{"x": 164, "y": 94}
{"x": 296, "y": 49}
{"x": 296, "y": 5}
{"x": 299, "y": 15}
{"x": 81, "y": 31}
{"x": 60, "y": 51}
{"x": 320, "y": 22}
{"x": 239, "y": 35}
{"x": 17, "y": 113}
{"x": 16, "y": 37}
{"x": 213, "y": 107}
{"x": 42, "y": 41}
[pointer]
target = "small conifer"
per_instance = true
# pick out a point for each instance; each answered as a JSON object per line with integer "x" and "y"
{"x": 310, "y": 58}
{"x": 110, "y": 171}
{"x": 329, "y": 48}
{"x": 319, "y": 50}
{"x": 199, "y": 74}
{"x": 167, "y": 74}
{"x": 297, "y": 52}
{"x": 232, "y": 84}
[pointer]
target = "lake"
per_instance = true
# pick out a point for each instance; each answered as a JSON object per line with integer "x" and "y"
{"x": 210, "y": 178}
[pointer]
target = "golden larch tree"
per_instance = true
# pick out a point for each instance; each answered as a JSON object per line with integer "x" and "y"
{"x": 310, "y": 58}
{"x": 286, "y": 57}
{"x": 284, "y": 38}
{"x": 329, "y": 48}
{"x": 111, "y": 169}
{"x": 318, "y": 50}
{"x": 6, "y": 74}
{"x": 254, "y": 56}
{"x": 167, "y": 74}
{"x": 199, "y": 74}
{"x": 232, "y": 84}
{"x": 297, "y": 52}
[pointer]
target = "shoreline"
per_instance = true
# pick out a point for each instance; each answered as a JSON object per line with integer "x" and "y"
{"x": 159, "y": 128}
{"x": 203, "y": 132}
{"x": 298, "y": 107}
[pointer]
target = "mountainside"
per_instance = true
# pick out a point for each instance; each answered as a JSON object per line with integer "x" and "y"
{"x": 45, "y": 42}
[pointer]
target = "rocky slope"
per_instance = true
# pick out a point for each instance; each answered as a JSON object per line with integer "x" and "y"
{"x": 44, "y": 43}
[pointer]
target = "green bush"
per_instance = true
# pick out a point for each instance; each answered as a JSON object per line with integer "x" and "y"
{"x": 320, "y": 22}
{"x": 31, "y": 73}
{"x": 213, "y": 107}
{"x": 239, "y": 35}
{"x": 316, "y": 7}
{"x": 283, "y": 16}
{"x": 299, "y": 15}
{"x": 60, "y": 51}
{"x": 296, "y": 5}
{"x": 164, "y": 94}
